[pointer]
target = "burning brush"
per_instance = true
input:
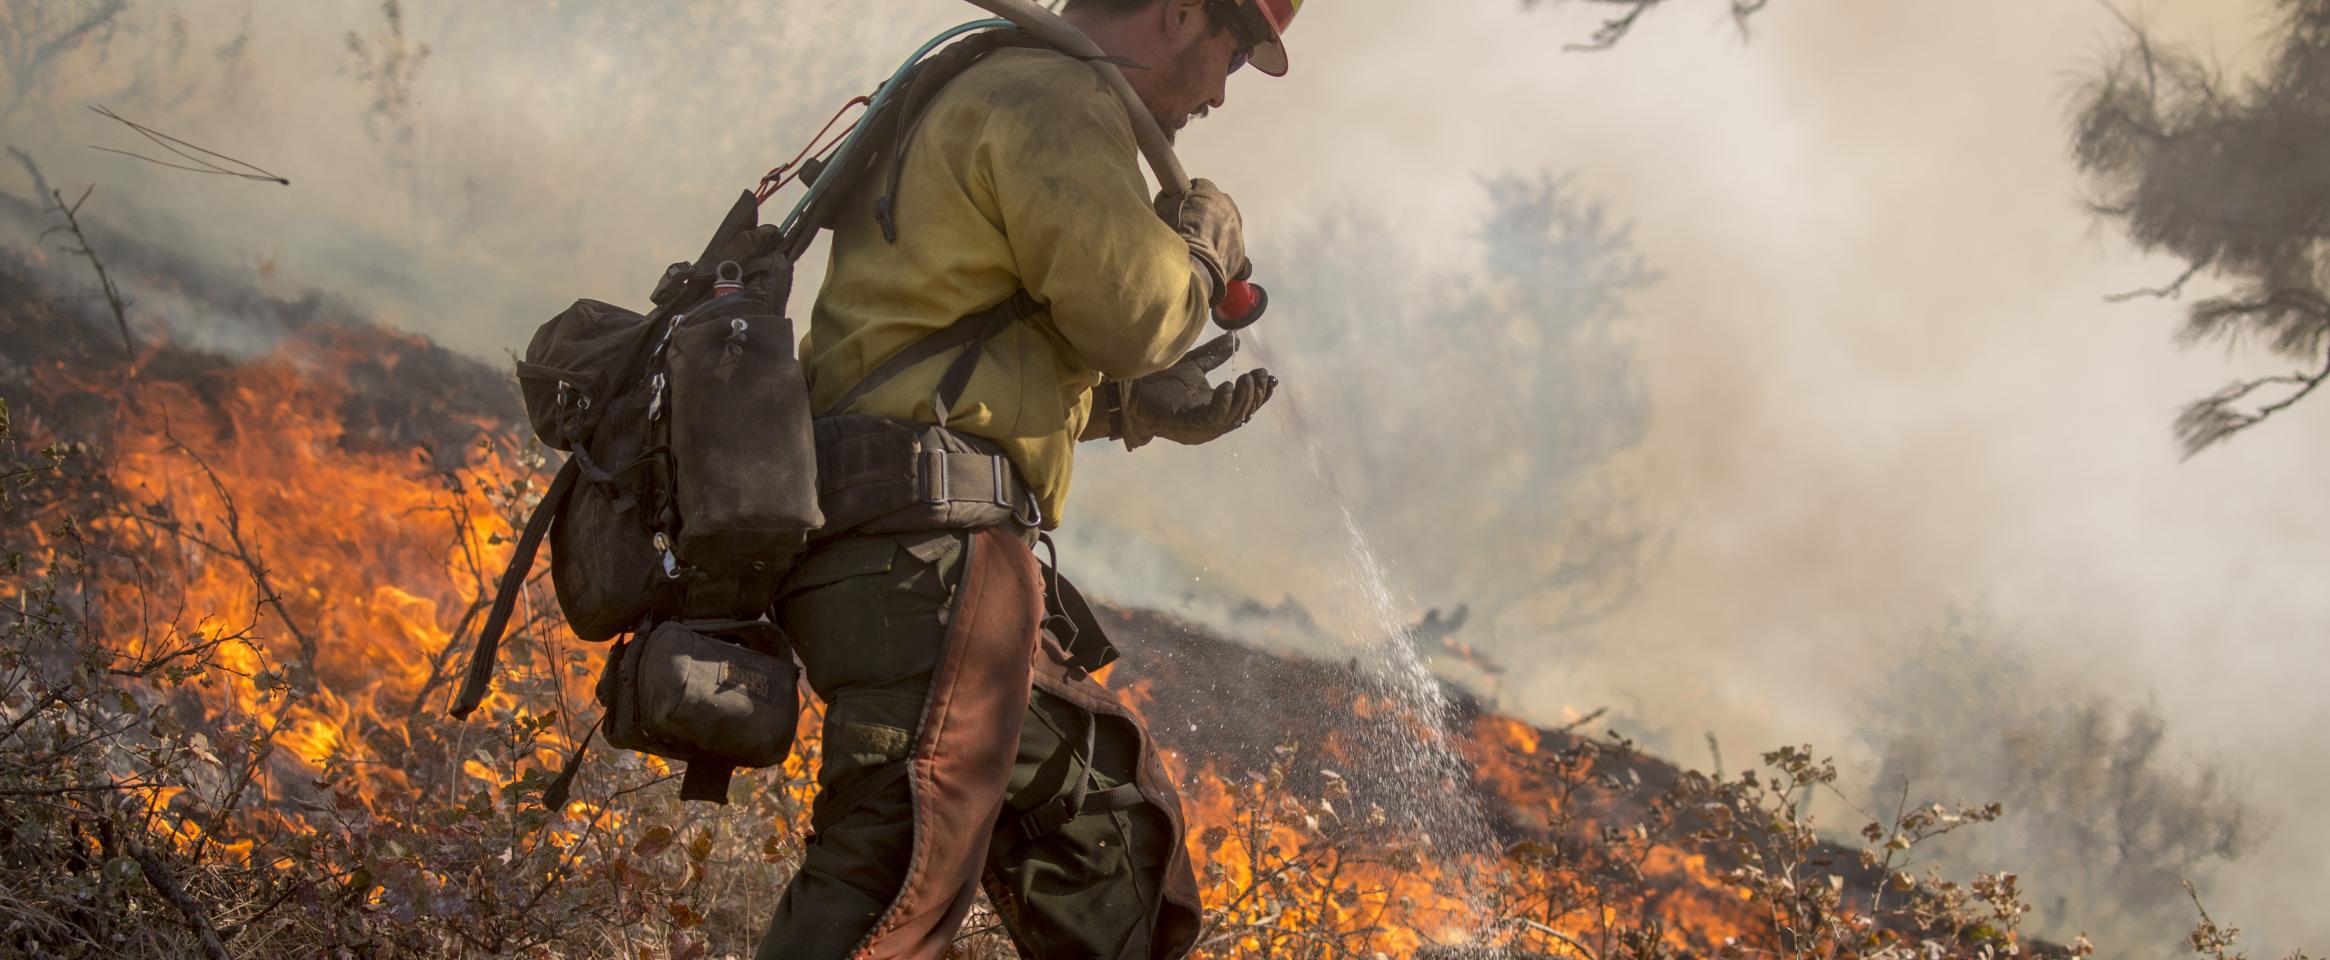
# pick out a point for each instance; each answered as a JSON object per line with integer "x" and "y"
{"x": 237, "y": 586}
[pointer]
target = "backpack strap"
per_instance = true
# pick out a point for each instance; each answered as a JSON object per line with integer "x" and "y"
{"x": 973, "y": 330}
{"x": 929, "y": 78}
{"x": 489, "y": 637}
{"x": 555, "y": 795}
{"x": 888, "y": 135}
{"x": 1069, "y": 619}
{"x": 885, "y": 133}
{"x": 1079, "y": 799}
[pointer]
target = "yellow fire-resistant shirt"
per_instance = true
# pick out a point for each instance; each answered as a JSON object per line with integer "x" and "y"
{"x": 1024, "y": 173}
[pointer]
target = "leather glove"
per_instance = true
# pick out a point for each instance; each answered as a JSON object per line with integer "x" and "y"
{"x": 1208, "y": 219}
{"x": 1178, "y": 404}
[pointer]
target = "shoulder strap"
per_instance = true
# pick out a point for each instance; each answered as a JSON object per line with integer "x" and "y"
{"x": 915, "y": 104}
{"x": 886, "y": 133}
{"x": 489, "y": 637}
{"x": 973, "y": 330}
{"x": 890, "y": 134}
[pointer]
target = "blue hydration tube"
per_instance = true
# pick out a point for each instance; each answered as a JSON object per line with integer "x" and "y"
{"x": 882, "y": 96}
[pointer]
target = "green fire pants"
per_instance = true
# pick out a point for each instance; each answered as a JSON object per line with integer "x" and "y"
{"x": 868, "y": 616}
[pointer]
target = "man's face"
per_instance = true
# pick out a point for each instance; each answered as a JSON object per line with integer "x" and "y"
{"x": 1194, "y": 81}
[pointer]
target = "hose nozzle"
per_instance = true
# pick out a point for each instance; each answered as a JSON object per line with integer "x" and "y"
{"x": 1241, "y": 306}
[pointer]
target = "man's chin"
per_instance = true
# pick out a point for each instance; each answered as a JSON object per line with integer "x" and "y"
{"x": 1173, "y": 127}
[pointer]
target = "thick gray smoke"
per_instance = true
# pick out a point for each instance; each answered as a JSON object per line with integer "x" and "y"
{"x": 2106, "y": 816}
{"x": 1872, "y": 382}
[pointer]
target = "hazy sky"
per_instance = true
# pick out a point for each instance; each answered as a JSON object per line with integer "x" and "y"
{"x": 1883, "y": 384}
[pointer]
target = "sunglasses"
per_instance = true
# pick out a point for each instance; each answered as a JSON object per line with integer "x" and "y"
{"x": 1226, "y": 14}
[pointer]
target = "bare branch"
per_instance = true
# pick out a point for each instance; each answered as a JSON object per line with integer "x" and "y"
{"x": 2212, "y": 420}
{"x": 2171, "y": 291}
{"x": 1591, "y": 716}
{"x": 158, "y": 873}
{"x": 243, "y": 552}
{"x": 78, "y": 788}
{"x": 113, "y": 296}
{"x": 1617, "y": 27}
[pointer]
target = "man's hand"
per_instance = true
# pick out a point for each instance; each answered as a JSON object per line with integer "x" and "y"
{"x": 1178, "y": 404}
{"x": 1209, "y": 220}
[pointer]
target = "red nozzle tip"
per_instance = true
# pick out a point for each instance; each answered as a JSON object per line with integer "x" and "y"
{"x": 1241, "y": 305}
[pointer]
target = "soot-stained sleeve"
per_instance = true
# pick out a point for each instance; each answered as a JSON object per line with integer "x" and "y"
{"x": 1121, "y": 287}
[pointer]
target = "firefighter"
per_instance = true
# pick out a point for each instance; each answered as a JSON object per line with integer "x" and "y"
{"x": 1017, "y": 197}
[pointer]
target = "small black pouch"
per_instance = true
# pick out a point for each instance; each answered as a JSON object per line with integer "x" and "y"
{"x": 716, "y": 694}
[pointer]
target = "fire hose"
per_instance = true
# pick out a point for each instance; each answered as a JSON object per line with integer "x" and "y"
{"x": 1243, "y": 302}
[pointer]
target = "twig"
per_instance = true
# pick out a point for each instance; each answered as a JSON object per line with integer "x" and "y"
{"x": 236, "y": 929}
{"x": 37, "y": 709}
{"x": 150, "y": 665}
{"x": 1563, "y": 937}
{"x": 2172, "y": 290}
{"x": 1616, "y": 28}
{"x": 1573, "y": 725}
{"x": 251, "y": 171}
{"x": 260, "y": 752}
{"x": 251, "y": 566}
{"x": 158, "y": 874}
{"x": 47, "y": 620}
{"x": 968, "y": 931}
{"x": 2211, "y": 421}
{"x": 66, "y": 750}
{"x": 80, "y": 788}
{"x": 557, "y": 873}
{"x": 635, "y": 788}
{"x": 113, "y": 297}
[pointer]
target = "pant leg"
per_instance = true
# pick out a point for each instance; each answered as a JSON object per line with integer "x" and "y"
{"x": 867, "y": 616}
{"x": 1092, "y": 888}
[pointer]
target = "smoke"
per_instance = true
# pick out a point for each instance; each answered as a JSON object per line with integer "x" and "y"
{"x": 1872, "y": 381}
{"x": 2103, "y": 818}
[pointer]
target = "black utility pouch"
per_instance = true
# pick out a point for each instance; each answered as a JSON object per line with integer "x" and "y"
{"x": 713, "y": 693}
{"x": 739, "y": 422}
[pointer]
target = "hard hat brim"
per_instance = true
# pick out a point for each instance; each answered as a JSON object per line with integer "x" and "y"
{"x": 1258, "y": 19}
{"x": 1270, "y": 58}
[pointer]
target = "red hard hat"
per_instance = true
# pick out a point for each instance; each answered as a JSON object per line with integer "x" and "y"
{"x": 1262, "y": 24}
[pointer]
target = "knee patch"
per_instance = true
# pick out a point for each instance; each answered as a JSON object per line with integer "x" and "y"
{"x": 857, "y": 743}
